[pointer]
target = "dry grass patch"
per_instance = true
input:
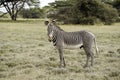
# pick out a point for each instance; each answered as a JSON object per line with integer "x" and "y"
{"x": 26, "y": 54}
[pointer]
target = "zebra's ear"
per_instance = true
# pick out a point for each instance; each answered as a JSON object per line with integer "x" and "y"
{"x": 46, "y": 22}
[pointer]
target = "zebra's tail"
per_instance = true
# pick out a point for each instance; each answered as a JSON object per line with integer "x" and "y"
{"x": 97, "y": 51}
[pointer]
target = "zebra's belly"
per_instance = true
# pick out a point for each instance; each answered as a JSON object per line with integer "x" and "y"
{"x": 72, "y": 46}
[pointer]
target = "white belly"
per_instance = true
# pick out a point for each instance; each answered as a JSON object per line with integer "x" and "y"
{"x": 72, "y": 46}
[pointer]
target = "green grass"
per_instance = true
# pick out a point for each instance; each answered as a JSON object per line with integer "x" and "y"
{"x": 26, "y": 54}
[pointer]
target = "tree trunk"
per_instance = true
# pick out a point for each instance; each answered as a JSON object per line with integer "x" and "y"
{"x": 13, "y": 17}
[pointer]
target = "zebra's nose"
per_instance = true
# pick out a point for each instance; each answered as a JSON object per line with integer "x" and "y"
{"x": 50, "y": 39}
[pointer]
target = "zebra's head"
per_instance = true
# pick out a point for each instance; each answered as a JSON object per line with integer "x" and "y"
{"x": 50, "y": 29}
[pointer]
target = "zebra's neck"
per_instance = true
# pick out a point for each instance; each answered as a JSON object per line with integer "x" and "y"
{"x": 54, "y": 37}
{"x": 56, "y": 33}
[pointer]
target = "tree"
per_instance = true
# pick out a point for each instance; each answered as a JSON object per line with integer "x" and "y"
{"x": 116, "y": 4}
{"x": 62, "y": 10}
{"x": 89, "y": 11}
{"x": 84, "y": 12}
{"x": 13, "y": 7}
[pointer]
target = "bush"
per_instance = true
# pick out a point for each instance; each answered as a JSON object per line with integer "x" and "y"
{"x": 116, "y": 4}
{"x": 32, "y": 13}
{"x": 93, "y": 10}
{"x": 109, "y": 14}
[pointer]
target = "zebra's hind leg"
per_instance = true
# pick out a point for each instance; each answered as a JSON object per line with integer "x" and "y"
{"x": 88, "y": 57}
{"x": 92, "y": 57}
{"x": 89, "y": 54}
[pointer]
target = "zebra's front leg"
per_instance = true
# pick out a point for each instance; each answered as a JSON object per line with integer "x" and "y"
{"x": 62, "y": 61}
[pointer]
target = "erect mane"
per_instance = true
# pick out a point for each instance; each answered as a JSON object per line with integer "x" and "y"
{"x": 58, "y": 27}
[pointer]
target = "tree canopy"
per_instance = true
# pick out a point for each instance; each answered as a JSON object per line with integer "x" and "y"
{"x": 83, "y": 11}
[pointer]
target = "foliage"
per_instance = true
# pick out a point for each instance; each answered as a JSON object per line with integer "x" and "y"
{"x": 32, "y": 13}
{"x": 93, "y": 10}
{"x": 116, "y": 4}
{"x": 84, "y": 12}
{"x": 62, "y": 11}
{"x": 109, "y": 14}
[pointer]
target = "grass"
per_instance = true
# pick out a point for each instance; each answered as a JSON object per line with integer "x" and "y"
{"x": 26, "y": 54}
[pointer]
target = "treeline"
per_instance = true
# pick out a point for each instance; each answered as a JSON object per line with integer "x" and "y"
{"x": 78, "y": 11}
{"x": 85, "y": 11}
{"x": 32, "y": 13}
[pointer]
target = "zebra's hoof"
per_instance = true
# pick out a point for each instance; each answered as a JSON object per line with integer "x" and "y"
{"x": 85, "y": 66}
{"x": 62, "y": 66}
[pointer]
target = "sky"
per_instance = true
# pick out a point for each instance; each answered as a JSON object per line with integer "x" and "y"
{"x": 42, "y": 4}
{"x": 45, "y": 2}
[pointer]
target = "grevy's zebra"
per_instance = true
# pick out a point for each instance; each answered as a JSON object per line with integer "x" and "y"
{"x": 62, "y": 39}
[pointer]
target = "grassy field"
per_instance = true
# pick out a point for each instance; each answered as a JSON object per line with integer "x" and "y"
{"x": 26, "y": 54}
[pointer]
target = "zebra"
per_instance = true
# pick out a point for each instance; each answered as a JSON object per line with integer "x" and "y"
{"x": 79, "y": 39}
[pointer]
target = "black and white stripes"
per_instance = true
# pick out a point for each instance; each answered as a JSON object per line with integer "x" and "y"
{"x": 80, "y": 39}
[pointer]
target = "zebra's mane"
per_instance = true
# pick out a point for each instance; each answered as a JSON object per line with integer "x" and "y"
{"x": 59, "y": 28}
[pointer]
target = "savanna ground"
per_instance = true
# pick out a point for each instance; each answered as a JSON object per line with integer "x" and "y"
{"x": 26, "y": 54}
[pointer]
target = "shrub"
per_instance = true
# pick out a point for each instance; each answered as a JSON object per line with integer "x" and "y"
{"x": 32, "y": 13}
{"x": 90, "y": 11}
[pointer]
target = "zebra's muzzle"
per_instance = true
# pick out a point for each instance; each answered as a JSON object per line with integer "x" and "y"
{"x": 50, "y": 39}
